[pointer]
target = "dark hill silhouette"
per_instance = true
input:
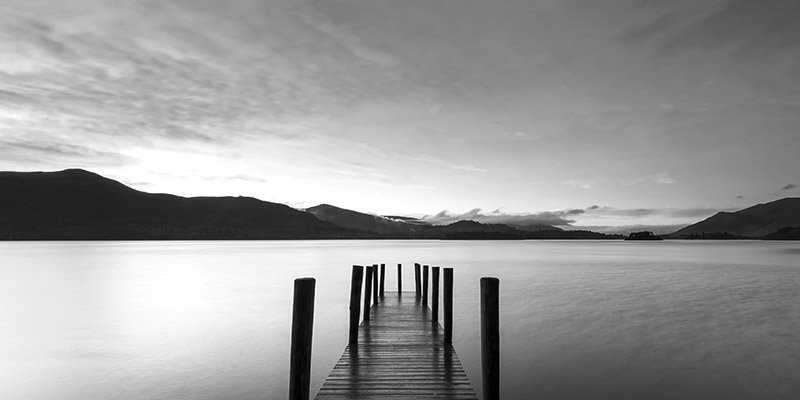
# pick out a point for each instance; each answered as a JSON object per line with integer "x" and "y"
{"x": 357, "y": 220}
{"x": 77, "y": 204}
{"x": 472, "y": 230}
{"x": 785, "y": 233}
{"x": 396, "y": 227}
{"x": 643, "y": 235}
{"x": 753, "y": 222}
{"x": 537, "y": 227}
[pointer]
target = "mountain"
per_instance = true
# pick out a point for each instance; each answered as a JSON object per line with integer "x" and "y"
{"x": 472, "y": 230}
{"x": 785, "y": 233}
{"x": 537, "y": 227}
{"x": 367, "y": 222}
{"x": 753, "y": 222}
{"x": 77, "y": 204}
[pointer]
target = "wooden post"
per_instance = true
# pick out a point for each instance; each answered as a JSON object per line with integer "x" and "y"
{"x": 435, "y": 295}
{"x": 447, "y": 291}
{"x": 355, "y": 302}
{"x": 490, "y": 338}
{"x": 383, "y": 277}
{"x": 424, "y": 285}
{"x": 302, "y": 329}
{"x": 399, "y": 278}
{"x": 417, "y": 282}
{"x": 367, "y": 292}
{"x": 374, "y": 283}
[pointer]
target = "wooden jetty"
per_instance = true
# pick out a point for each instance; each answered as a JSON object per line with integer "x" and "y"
{"x": 400, "y": 351}
{"x": 400, "y": 354}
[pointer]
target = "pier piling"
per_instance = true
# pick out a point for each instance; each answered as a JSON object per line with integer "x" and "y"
{"x": 490, "y": 338}
{"x": 383, "y": 277}
{"x": 424, "y": 285}
{"x": 435, "y": 295}
{"x": 302, "y": 330}
{"x": 447, "y": 291}
{"x": 367, "y": 292}
{"x": 375, "y": 271}
{"x": 417, "y": 280}
{"x": 355, "y": 302}
{"x": 399, "y": 278}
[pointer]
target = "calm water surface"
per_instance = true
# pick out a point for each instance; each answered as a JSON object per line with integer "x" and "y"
{"x": 579, "y": 319}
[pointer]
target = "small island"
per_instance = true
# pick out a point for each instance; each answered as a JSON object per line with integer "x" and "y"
{"x": 644, "y": 235}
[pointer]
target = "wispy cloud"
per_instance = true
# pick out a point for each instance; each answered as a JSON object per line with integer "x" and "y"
{"x": 593, "y": 181}
{"x": 427, "y": 158}
{"x": 789, "y": 187}
{"x": 36, "y": 153}
{"x": 556, "y": 218}
{"x": 667, "y": 212}
{"x": 663, "y": 177}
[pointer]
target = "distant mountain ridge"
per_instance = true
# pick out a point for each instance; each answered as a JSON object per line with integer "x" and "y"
{"x": 753, "y": 222}
{"x": 397, "y": 227}
{"x": 368, "y": 222}
{"x": 77, "y": 204}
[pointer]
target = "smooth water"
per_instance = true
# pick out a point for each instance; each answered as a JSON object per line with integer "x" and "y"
{"x": 579, "y": 319}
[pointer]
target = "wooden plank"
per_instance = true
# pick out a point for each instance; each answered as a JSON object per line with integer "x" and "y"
{"x": 400, "y": 354}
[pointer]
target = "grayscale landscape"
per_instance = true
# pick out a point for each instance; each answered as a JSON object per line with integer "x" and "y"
{"x": 171, "y": 171}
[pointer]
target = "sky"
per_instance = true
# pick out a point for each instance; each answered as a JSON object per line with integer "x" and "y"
{"x": 574, "y": 112}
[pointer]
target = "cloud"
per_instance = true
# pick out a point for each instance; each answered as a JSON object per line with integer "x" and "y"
{"x": 752, "y": 27}
{"x": 434, "y": 160}
{"x": 667, "y": 212}
{"x": 789, "y": 187}
{"x": 53, "y": 153}
{"x": 556, "y": 218}
{"x": 154, "y": 71}
{"x": 588, "y": 182}
{"x": 663, "y": 177}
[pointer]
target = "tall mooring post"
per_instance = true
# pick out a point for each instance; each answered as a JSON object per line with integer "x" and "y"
{"x": 447, "y": 291}
{"x": 383, "y": 277}
{"x": 367, "y": 292}
{"x": 355, "y": 302}
{"x": 424, "y": 285}
{"x": 374, "y": 283}
{"x": 435, "y": 295}
{"x": 399, "y": 278}
{"x": 302, "y": 329}
{"x": 417, "y": 280}
{"x": 490, "y": 338}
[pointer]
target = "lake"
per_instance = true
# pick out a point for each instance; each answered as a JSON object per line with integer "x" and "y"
{"x": 579, "y": 319}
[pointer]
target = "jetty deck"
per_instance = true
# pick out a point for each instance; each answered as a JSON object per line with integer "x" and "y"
{"x": 400, "y": 354}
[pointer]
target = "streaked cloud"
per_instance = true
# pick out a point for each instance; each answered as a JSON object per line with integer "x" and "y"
{"x": 35, "y": 153}
{"x": 789, "y": 187}
{"x": 667, "y": 212}
{"x": 663, "y": 177}
{"x": 427, "y": 158}
{"x": 556, "y": 218}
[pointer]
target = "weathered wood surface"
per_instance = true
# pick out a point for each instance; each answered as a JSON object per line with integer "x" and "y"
{"x": 400, "y": 354}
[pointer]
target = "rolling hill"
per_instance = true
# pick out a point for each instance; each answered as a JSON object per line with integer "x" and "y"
{"x": 368, "y": 222}
{"x": 77, "y": 204}
{"x": 753, "y": 222}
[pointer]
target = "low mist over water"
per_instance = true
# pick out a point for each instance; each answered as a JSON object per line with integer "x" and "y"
{"x": 579, "y": 319}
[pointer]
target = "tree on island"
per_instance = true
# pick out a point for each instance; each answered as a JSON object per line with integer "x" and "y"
{"x": 785, "y": 233}
{"x": 643, "y": 235}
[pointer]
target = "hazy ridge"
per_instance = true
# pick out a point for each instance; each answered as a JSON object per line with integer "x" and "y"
{"x": 75, "y": 204}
